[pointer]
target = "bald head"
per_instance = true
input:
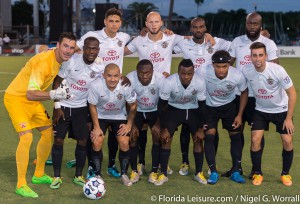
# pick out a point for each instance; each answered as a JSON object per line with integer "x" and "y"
{"x": 111, "y": 67}
{"x": 253, "y": 26}
{"x": 153, "y": 14}
{"x": 154, "y": 22}
{"x": 254, "y": 15}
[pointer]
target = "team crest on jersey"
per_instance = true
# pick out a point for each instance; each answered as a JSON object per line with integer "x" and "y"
{"x": 210, "y": 50}
{"x": 152, "y": 91}
{"x": 93, "y": 74}
{"x": 120, "y": 43}
{"x": 229, "y": 86}
{"x": 23, "y": 125}
{"x": 119, "y": 96}
{"x": 270, "y": 81}
{"x": 194, "y": 92}
{"x": 164, "y": 44}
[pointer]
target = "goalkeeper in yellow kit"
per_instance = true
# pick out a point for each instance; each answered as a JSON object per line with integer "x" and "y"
{"x": 22, "y": 101}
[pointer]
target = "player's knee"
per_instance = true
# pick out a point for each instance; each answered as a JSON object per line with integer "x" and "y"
{"x": 58, "y": 141}
{"x": 82, "y": 143}
{"x": 124, "y": 145}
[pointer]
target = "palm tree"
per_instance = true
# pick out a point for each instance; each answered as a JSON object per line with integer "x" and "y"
{"x": 198, "y": 2}
{"x": 170, "y": 14}
{"x": 139, "y": 11}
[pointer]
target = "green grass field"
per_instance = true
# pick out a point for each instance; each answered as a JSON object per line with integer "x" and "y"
{"x": 182, "y": 188}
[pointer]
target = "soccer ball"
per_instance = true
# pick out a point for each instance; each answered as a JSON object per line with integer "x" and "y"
{"x": 94, "y": 188}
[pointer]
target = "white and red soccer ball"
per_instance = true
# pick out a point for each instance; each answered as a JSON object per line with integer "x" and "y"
{"x": 94, "y": 188}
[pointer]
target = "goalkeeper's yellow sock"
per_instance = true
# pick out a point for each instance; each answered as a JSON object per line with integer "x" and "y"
{"x": 43, "y": 151}
{"x": 22, "y": 157}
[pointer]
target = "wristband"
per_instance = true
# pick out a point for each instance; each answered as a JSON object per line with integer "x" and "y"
{"x": 57, "y": 105}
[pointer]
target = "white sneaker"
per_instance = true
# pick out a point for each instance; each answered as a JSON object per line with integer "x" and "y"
{"x": 153, "y": 177}
{"x": 184, "y": 169}
{"x": 125, "y": 180}
{"x": 161, "y": 180}
{"x": 169, "y": 170}
{"x": 141, "y": 169}
{"x": 134, "y": 177}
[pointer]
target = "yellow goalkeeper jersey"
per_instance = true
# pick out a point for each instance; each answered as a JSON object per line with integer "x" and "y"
{"x": 37, "y": 74}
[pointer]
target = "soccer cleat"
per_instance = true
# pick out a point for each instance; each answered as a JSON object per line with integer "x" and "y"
{"x": 200, "y": 178}
{"x": 113, "y": 171}
{"x": 125, "y": 180}
{"x": 79, "y": 180}
{"x": 169, "y": 170}
{"x": 161, "y": 180}
{"x": 45, "y": 179}
{"x": 90, "y": 173}
{"x": 141, "y": 168}
{"x": 257, "y": 179}
{"x": 184, "y": 169}
{"x": 153, "y": 177}
{"x": 230, "y": 171}
{"x": 56, "y": 183}
{"x": 286, "y": 180}
{"x": 237, "y": 177}
{"x": 134, "y": 177}
{"x": 213, "y": 178}
{"x": 25, "y": 191}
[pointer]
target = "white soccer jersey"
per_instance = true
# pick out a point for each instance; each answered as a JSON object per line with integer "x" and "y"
{"x": 147, "y": 96}
{"x": 240, "y": 49}
{"x": 110, "y": 104}
{"x": 111, "y": 49}
{"x": 181, "y": 98}
{"x": 159, "y": 52}
{"x": 200, "y": 54}
{"x": 269, "y": 87}
{"x": 79, "y": 77}
{"x": 221, "y": 91}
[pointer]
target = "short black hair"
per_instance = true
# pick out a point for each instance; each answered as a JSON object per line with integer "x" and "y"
{"x": 185, "y": 63}
{"x": 144, "y": 62}
{"x": 90, "y": 39}
{"x": 67, "y": 35}
{"x": 221, "y": 56}
{"x": 113, "y": 11}
{"x": 258, "y": 45}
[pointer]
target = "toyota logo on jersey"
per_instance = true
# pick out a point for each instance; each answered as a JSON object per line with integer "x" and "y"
{"x": 81, "y": 82}
{"x": 247, "y": 58}
{"x": 111, "y": 53}
{"x": 110, "y": 105}
{"x": 144, "y": 99}
{"x": 200, "y": 61}
{"x": 262, "y": 91}
{"x": 154, "y": 55}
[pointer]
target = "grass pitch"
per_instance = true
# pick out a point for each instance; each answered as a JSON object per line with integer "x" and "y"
{"x": 179, "y": 189}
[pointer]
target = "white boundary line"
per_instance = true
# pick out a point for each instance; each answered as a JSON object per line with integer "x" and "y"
{"x": 8, "y": 73}
{"x": 1, "y": 91}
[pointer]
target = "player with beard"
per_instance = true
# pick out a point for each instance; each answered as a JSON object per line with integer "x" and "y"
{"x": 240, "y": 54}
{"x": 72, "y": 116}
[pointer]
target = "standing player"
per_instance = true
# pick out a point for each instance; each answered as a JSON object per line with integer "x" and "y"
{"x": 22, "y": 101}
{"x": 70, "y": 116}
{"x": 240, "y": 54}
{"x": 200, "y": 53}
{"x": 221, "y": 81}
{"x": 112, "y": 45}
{"x": 107, "y": 102}
{"x": 182, "y": 101}
{"x": 146, "y": 83}
{"x": 275, "y": 102}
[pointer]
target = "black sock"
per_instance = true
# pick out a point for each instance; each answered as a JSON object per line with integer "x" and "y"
{"x": 216, "y": 143}
{"x": 57, "y": 154}
{"x": 210, "y": 153}
{"x": 112, "y": 144}
{"x": 198, "y": 161}
{"x": 236, "y": 150}
{"x": 155, "y": 152}
{"x": 256, "y": 161}
{"x": 287, "y": 160}
{"x": 124, "y": 157}
{"x": 89, "y": 153}
{"x": 184, "y": 143}
{"x": 142, "y": 141}
{"x": 133, "y": 157}
{"x": 97, "y": 157}
{"x": 262, "y": 146}
{"x": 164, "y": 159}
{"x": 80, "y": 156}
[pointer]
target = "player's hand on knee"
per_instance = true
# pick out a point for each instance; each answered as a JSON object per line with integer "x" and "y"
{"x": 62, "y": 92}
{"x": 95, "y": 134}
{"x": 57, "y": 114}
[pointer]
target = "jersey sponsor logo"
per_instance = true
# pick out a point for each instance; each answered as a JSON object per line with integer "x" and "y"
{"x": 111, "y": 53}
{"x": 144, "y": 102}
{"x": 184, "y": 100}
{"x": 287, "y": 80}
{"x": 155, "y": 57}
{"x": 164, "y": 44}
{"x": 200, "y": 60}
{"x": 262, "y": 91}
{"x": 74, "y": 86}
{"x": 81, "y": 82}
{"x": 218, "y": 93}
{"x": 270, "y": 81}
{"x": 247, "y": 59}
{"x": 111, "y": 107}
{"x": 264, "y": 96}
{"x": 145, "y": 99}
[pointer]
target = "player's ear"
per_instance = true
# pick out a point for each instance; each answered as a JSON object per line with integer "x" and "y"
{"x": 104, "y": 22}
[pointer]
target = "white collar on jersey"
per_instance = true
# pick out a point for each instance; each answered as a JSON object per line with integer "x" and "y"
{"x": 105, "y": 36}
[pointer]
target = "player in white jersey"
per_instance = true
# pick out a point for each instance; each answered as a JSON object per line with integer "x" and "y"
{"x": 112, "y": 45}
{"x": 72, "y": 115}
{"x": 107, "y": 102}
{"x": 240, "y": 54}
{"x": 146, "y": 83}
{"x": 182, "y": 101}
{"x": 275, "y": 97}
{"x": 200, "y": 53}
{"x": 221, "y": 81}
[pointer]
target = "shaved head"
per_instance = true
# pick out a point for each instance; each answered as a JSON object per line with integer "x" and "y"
{"x": 111, "y": 67}
{"x": 153, "y": 14}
